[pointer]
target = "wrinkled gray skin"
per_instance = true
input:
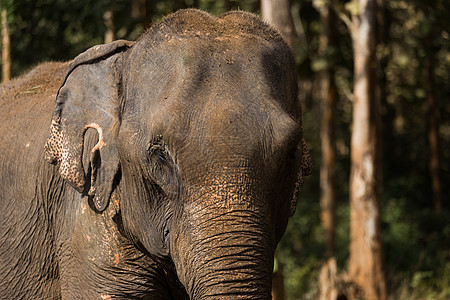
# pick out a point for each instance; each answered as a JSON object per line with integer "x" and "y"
{"x": 193, "y": 182}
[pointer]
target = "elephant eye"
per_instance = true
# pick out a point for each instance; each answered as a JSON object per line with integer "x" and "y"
{"x": 161, "y": 167}
{"x": 157, "y": 150}
{"x": 159, "y": 154}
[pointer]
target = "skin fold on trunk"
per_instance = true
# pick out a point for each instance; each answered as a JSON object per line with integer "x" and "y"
{"x": 225, "y": 251}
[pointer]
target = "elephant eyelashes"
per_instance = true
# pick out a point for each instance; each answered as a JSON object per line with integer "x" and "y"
{"x": 157, "y": 150}
{"x": 159, "y": 154}
{"x": 162, "y": 168}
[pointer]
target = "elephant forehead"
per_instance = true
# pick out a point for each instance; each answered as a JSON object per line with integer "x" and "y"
{"x": 219, "y": 119}
{"x": 212, "y": 93}
{"x": 235, "y": 123}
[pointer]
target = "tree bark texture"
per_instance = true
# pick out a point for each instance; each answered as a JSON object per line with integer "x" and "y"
{"x": 365, "y": 263}
{"x": 328, "y": 273}
{"x": 278, "y": 14}
{"x": 328, "y": 280}
{"x": 6, "y": 47}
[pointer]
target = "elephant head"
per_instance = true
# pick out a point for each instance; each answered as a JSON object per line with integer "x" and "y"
{"x": 200, "y": 131}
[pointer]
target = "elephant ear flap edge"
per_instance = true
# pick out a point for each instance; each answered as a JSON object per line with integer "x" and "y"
{"x": 99, "y": 52}
{"x": 305, "y": 170}
{"x": 66, "y": 139}
{"x": 307, "y": 165}
{"x": 66, "y": 153}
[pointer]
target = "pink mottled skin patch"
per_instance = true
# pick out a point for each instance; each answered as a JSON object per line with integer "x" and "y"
{"x": 116, "y": 259}
{"x": 101, "y": 141}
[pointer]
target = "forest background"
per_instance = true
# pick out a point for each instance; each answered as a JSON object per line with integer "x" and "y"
{"x": 411, "y": 62}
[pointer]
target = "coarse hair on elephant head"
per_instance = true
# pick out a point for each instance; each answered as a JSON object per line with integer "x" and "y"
{"x": 89, "y": 98}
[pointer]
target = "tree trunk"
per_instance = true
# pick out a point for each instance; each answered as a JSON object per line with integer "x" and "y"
{"x": 278, "y": 14}
{"x": 108, "y": 19}
{"x": 142, "y": 10}
{"x": 328, "y": 280}
{"x": 278, "y": 282}
{"x": 327, "y": 134}
{"x": 365, "y": 263}
{"x": 328, "y": 273}
{"x": 6, "y": 47}
{"x": 433, "y": 133}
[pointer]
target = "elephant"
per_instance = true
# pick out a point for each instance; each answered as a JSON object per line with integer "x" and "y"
{"x": 165, "y": 168}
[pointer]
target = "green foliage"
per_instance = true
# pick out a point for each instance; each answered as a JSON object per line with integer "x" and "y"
{"x": 60, "y": 29}
{"x": 415, "y": 241}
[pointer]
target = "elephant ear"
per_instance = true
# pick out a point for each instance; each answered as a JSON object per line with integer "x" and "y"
{"x": 307, "y": 165}
{"x": 305, "y": 170}
{"x": 88, "y": 98}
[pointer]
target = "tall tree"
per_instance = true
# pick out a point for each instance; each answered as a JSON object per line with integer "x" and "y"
{"x": 6, "y": 46}
{"x": 278, "y": 14}
{"x": 365, "y": 267}
{"x": 142, "y": 10}
{"x": 433, "y": 127}
{"x": 433, "y": 135}
{"x": 278, "y": 292}
{"x": 327, "y": 94}
{"x": 108, "y": 19}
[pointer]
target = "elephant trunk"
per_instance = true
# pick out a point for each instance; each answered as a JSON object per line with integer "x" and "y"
{"x": 225, "y": 248}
